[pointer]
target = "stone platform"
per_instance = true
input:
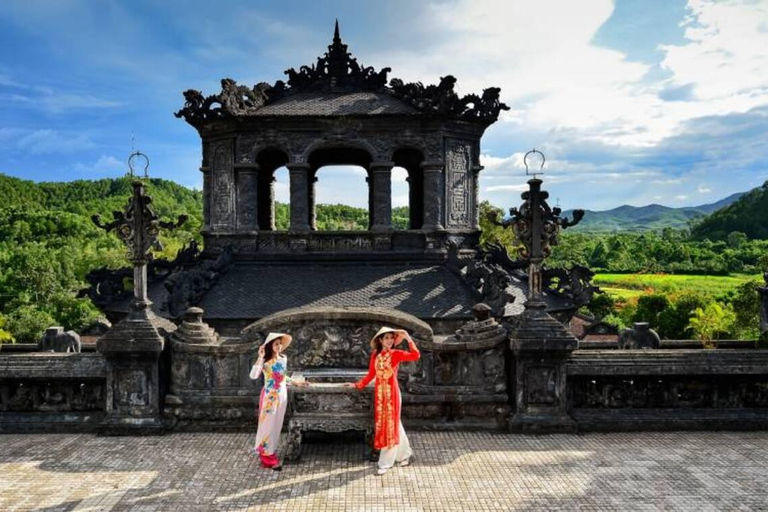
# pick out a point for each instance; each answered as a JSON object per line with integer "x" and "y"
{"x": 454, "y": 471}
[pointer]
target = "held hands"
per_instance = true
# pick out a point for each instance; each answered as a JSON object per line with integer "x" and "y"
{"x": 349, "y": 385}
{"x": 300, "y": 383}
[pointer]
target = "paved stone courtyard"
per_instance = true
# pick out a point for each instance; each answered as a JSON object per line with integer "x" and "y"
{"x": 454, "y": 471}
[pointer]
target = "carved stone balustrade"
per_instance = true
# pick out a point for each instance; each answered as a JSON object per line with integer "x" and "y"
{"x": 464, "y": 374}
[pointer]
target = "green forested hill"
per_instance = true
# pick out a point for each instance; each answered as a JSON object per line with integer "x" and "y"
{"x": 48, "y": 243}
{"x": 653, "y": 217}
{"x": 748, "y": 215}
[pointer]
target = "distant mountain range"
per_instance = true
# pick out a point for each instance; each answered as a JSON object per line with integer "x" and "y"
{"x": 652, "y": 217}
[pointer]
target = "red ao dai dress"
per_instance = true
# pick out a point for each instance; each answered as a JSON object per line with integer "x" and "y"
{"x": 389, "y": 436}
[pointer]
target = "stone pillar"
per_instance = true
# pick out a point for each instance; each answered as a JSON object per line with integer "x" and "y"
{"x": 247, "y": 198}
{"x": 381, "y": 212}
{"x": 132, "y": 350}
{"x": 300, "y": 192}
{"x": 206, "y": 197}
{"x": 272, "y": 181}
{"x": 541, "y": 346}
{"x": 476, "y": 196}
{"x": 434, "y": 192}
{"x": 312, "y": 200}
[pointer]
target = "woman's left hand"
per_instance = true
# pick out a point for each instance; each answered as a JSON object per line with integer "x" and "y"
{"x": 301, "y": 383}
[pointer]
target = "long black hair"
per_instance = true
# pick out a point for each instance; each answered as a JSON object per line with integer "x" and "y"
{"x": 269, "y": 349}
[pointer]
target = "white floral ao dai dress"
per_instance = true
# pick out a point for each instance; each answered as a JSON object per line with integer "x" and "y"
{"x": 272, "y": 405}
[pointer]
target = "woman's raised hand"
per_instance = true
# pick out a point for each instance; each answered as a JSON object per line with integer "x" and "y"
{"x": 261, "y": 351}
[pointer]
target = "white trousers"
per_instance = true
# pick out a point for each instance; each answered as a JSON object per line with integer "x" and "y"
{"x": 398, "y": 453}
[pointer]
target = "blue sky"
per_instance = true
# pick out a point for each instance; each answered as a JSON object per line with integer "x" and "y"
{"x": 633, "y": 102}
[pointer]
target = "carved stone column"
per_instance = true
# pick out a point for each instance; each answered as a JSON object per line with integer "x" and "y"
{"x": 381, "y": 213}
{"x": 247, "y": 198}
{"x": 434, "y": 192}
{"x": 299, "y": 178}
{"x": 476, "y": 196}
{"x": 272, "y": 181}
{"x": 206, "y": 197}
{"x": 312, "y": 201}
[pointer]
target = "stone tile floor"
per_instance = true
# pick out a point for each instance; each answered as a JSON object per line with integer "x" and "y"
{"x": 455, "y": 471}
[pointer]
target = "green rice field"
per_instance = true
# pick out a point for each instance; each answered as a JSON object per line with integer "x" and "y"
{"x": 626, "y": 286}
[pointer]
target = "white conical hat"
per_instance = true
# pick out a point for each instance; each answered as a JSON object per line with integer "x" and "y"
{"x": 287, "y": 339}
{"x": 398, "y": 335}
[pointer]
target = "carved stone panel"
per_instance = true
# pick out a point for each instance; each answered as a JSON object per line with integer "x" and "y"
{"x": 65, "y": 395}
{"x": 541, "y": 385}
{"x": 458, "y": 182}
{"x": 132, "y": 388}
{"x": 223, "y": 185}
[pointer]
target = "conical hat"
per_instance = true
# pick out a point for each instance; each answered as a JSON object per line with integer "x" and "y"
{"x": 398, "y": 335}
{"x": 287, "y": 339}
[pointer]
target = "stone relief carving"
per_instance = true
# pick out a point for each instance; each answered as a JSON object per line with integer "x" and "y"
{"x": 541, "y": 385}
{"x": 51, "y": 396}
{"x": 668, "y": 391}
{"x": 458, "y": 161}
{"x": 188, "y": 283}
{"x": 223, "y": 196}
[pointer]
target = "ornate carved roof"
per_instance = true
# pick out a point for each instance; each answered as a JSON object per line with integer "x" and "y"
{"x": 348, "y": 87}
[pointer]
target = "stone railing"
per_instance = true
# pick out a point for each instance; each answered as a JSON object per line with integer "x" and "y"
{"x": 51, "y": 392}
{"x": 668, "y": 389}
{"x": 338, "y": 242}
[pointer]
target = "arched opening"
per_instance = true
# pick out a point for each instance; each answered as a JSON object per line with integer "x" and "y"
{"x": 410, "y": 160}
{"x": 400, "y": 199}
{"x": 340, "y": 190}
{"x": 282, "y": 199}
{"x": 272, "y": 190}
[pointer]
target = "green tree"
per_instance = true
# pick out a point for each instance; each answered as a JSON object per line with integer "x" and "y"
{"x": 736, "y": 239}
{"x": 712, "y": 322}
{"x": 601, "y": 305}
{"x": 649, "y": 307}
{"x": 673, "y": 322}
{"x": 745, "y": 302}
{"x": 28, "y": 323}
{"x": 5, "y": 336}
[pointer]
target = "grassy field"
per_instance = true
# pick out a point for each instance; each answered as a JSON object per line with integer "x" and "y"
{"x": 625, "y": 286}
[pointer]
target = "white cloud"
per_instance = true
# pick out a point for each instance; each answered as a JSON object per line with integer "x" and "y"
{"x": 37, "y": 142}
{"x": 506, "y": 188}
{"x": 103, "y": 167}
{"x": 703, "y": 189}
{"x": 681, "y": 197}
{"x": 543, "y": 57}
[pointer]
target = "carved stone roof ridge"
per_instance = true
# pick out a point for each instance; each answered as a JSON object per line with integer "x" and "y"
{"x": 338, "y": 71}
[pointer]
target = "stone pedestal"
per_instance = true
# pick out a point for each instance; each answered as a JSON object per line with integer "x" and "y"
{"x": 132, "y": 350}
{"x": 540, "y": 345}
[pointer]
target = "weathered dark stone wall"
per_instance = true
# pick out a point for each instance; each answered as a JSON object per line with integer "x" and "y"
{"x": 51, "y": 392}
{"x": 668, "y": 389}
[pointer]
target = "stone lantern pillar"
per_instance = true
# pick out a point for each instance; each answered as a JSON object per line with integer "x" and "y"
{"x": 540, "y": 344}
{"x": 132, "y": 347}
